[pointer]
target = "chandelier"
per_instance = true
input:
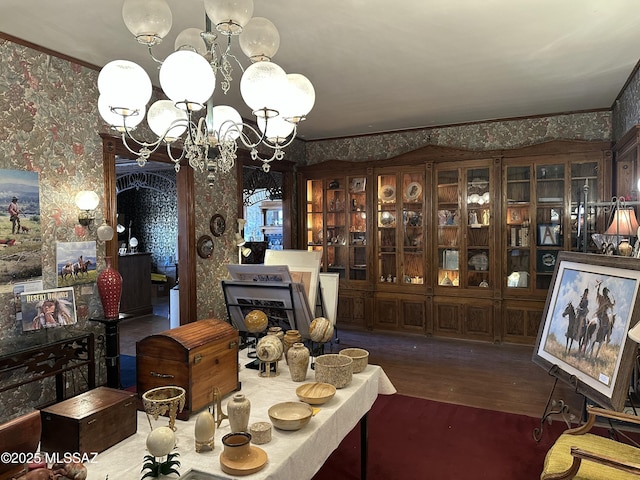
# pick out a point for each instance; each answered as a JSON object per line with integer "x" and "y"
{"x": 208, "y": 134}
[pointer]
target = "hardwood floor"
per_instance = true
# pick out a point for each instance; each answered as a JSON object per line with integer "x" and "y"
{"x": 496, "y": 377}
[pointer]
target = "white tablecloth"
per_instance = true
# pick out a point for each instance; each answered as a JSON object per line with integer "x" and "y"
{"x": 296, "y": 455}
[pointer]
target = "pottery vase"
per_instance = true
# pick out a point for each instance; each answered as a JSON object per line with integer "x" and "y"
{"x": 290, "y": 337}
{"x": 298, "y": 359}
{"x": 109, "y": 283}
{"x": 238, "y": 410}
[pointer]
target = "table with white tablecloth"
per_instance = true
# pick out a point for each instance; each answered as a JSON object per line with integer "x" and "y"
{"x": 291, "y": 454}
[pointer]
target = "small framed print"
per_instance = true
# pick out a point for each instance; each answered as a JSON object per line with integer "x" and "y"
{"x": 358, "y": 184}
{"x": 217, "y": 224}
{"x": 548, "y": 234}
{"x": 204, "y": 246}
{"x": 546, "y": 260}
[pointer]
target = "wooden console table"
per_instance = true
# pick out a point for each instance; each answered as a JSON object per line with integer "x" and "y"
{"x": 50, "y": 360}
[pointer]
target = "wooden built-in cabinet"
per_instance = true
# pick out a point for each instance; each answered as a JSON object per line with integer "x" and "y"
{"x": 451, "y": 242}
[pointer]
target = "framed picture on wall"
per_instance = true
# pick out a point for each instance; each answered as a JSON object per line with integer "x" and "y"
{"x": 48, "y": 308}
{"x": 582, "y": 340}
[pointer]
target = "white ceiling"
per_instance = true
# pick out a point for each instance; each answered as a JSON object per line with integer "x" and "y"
{"x": 379, "y": 66}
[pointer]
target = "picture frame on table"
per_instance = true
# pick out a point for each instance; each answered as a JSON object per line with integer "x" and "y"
{"x": 274, "y": 299}
{"x": 591, "y": 352}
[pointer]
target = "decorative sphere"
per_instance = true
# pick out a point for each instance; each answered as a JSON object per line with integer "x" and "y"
{"x": 263, "y": 85}
{"x": 161, "y": 441}
{"x": 321, "y": 330}
{"x": 256, "y": 321}
{"x": 269, "y": 348}
{"x": 226, "y": 123}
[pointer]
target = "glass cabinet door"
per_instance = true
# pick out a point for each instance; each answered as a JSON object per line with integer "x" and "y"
{"x": 412, "y": 229}
{"x": 584, "y": 189}
{"x": 336, "y": 228}
{"x": 386, "y": 224}
{"x": 314, "y": 212}
{"x": 550, "y": 195}
{"x": 357, "y": 235}
{"x": 479, "y": 261}
{"x": 518, "y": 226}
{"x": 448, "y": 209}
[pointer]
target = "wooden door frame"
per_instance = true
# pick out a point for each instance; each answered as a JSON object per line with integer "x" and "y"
{"x": 112, "y": 147}
{"x": 287, "y": 169}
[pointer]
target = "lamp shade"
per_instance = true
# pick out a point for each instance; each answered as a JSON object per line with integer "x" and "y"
{"x": 148, "y": 20}
{"x": 162, "y": 115}
{"x": 191, "y": 39}
{"x": 87, "y": 200}
{"x": 263, "y": 85}
{"x": 229, "y": 16}
{"x": 624, "y": 223}
{"x": 300, "y": 98}
{"x": 124, "y": 84}
{"x": 187, "y": 77}
{"x": 277, "y": 129}
{"x": 259, "y": 39}
{"x": 124, "y": 120}
{"x": 224, "y": 123}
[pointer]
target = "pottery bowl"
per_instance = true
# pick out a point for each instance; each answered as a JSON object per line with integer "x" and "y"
{"x": 315, "y": 393}
{"x": 334, "y": 369}
{"x": 290, "y": 415}
{"x": 360, "y": 358}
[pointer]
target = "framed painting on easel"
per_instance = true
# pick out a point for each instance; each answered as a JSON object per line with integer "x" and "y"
{"x": 582, "y": 340}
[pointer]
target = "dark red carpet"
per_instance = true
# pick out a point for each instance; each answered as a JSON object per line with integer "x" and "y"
{"x": 412, "y": 438}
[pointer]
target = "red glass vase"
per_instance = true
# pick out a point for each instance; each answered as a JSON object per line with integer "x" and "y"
{"x": 110, "y": 289}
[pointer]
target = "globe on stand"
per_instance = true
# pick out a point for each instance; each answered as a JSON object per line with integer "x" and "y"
{"x": 256, "y": 322}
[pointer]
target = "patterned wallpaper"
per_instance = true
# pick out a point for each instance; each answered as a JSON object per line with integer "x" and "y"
{"x": 479, "y": 136}
{"x": 49, "y": 124}
{"x": 626, "y": 110}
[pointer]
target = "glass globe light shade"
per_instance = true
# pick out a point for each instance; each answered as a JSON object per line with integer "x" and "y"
{"x": 125, "y": 84}
{"x": 299, "y": 99}
{"x": 105, "y": 232}
{"x": 259, "y": 39}
{"x": 122, "y": 121}
{"x": 87, "y": 200}
{"x": 229, "y": 16}
{"x": 277, "y": 129}
{"x": 148, "y": 20}
{"x": 191, "y": 39}
{"x": 187, "y": 79}
{"x": 160, "y": 117}
{"x": 225, "y": 122}
{"x": 263, "y": 85}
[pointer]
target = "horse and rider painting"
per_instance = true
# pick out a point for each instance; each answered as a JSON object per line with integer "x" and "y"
{"x": 589, "y": 312}
{"x": 76, "y": 262}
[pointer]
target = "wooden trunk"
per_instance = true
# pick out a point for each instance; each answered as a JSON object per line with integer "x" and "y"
{"x": 90, "y": 422}
{"x": 198, "y": 357}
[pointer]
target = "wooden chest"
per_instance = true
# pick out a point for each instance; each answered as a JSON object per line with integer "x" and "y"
{"x": 198, "y": 357}
{"x": 90, "y": 422}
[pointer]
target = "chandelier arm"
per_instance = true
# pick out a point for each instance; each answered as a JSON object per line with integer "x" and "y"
{"x": 153, "y": 57}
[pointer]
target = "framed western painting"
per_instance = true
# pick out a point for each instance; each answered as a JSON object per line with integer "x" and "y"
{"x": 591, "y": 305}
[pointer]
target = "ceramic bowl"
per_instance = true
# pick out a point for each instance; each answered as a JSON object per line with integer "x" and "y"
{"x": 316, "y": 393}
{"x": 290, "y": 415}
{"x": 334, "y": 369}
{"x": 360, "y": 358}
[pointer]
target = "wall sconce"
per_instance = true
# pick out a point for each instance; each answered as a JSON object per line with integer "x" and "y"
{"x": 87, "y": 201}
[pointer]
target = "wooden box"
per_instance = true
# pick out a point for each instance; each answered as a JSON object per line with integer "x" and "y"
{"x": 198, "y": 357}
{"x": 90, "y": 422}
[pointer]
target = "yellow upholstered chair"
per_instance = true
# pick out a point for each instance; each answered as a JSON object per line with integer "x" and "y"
{"x": 583, "y": 455}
